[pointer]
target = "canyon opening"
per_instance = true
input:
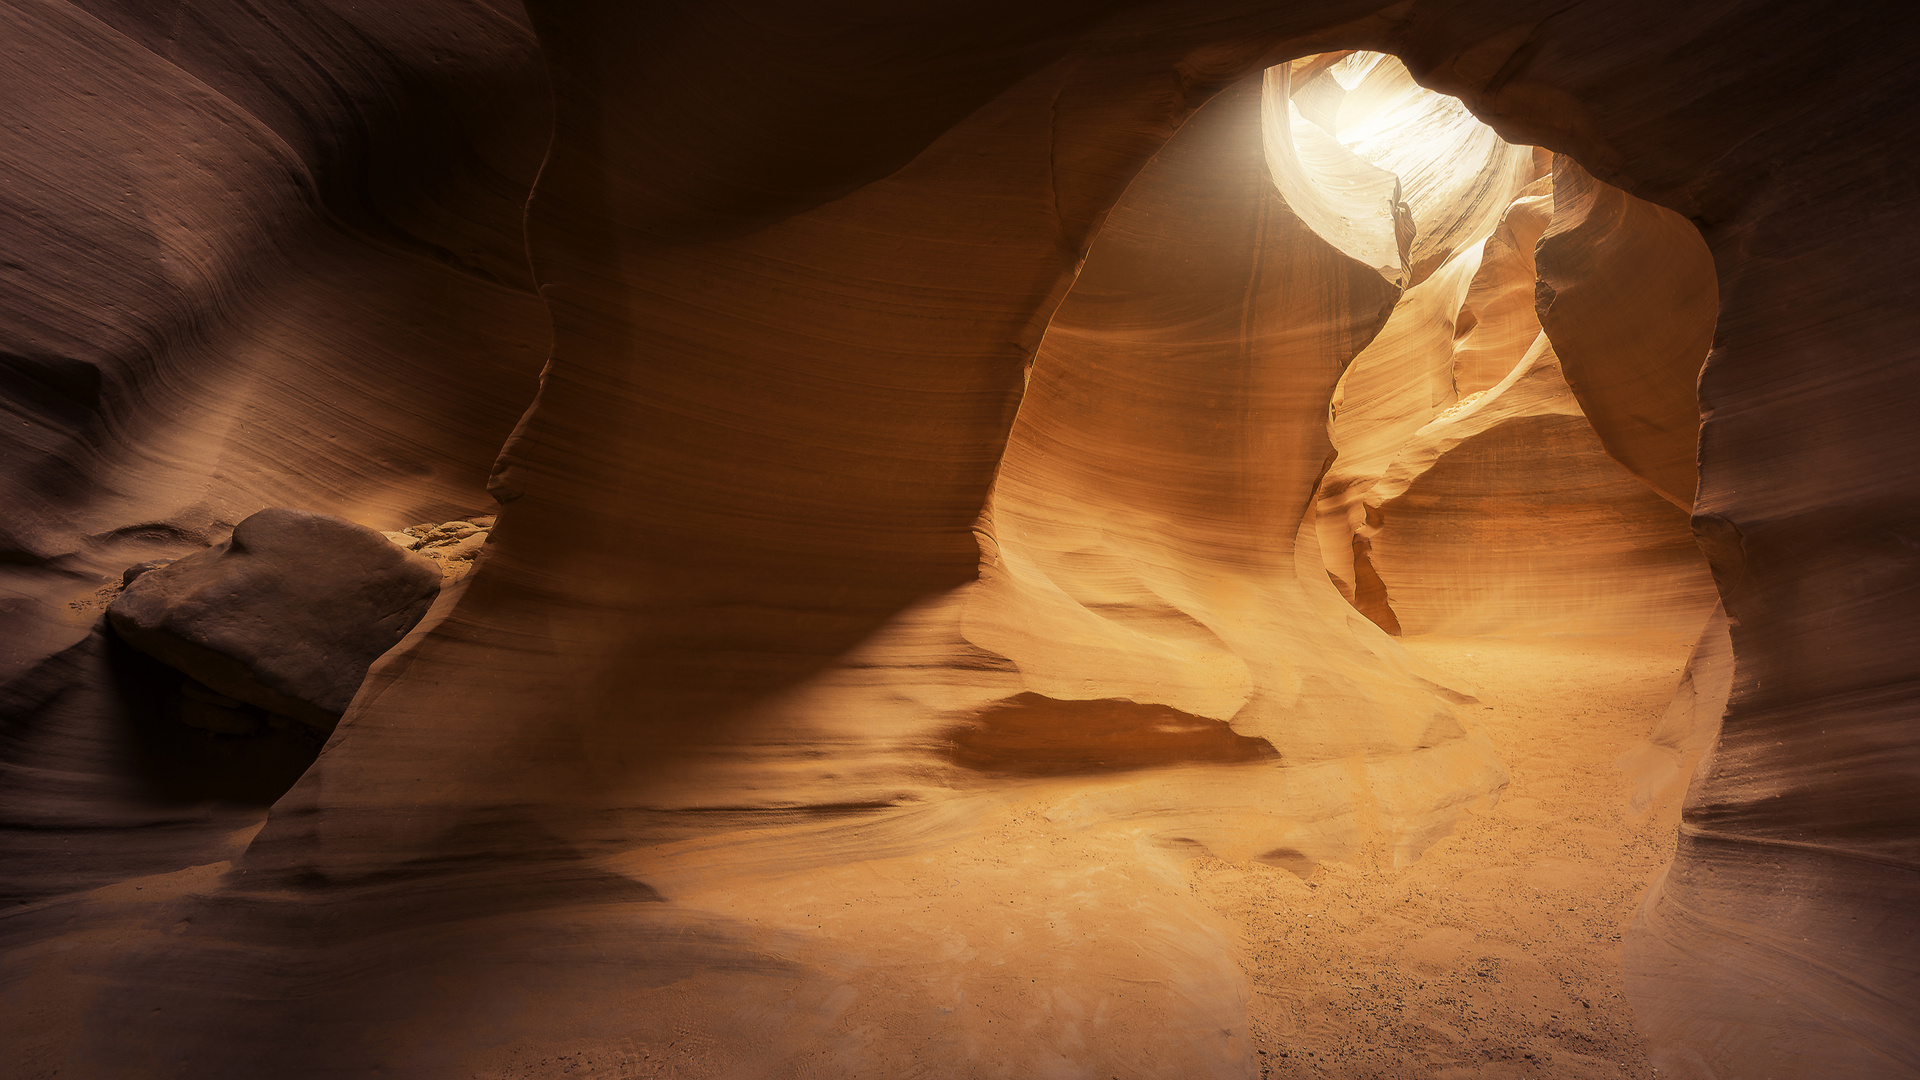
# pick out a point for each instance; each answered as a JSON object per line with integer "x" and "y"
{"x": 1093, "y": 540}
{"x": 1323, "y": 293}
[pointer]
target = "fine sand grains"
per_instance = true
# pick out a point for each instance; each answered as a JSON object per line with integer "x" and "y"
{"x": 1498, "y": 953}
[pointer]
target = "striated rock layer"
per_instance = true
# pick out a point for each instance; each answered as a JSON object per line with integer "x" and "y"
{"x": 1135, "y": 553}
{"x": 255, "y": 258}
{"x": 721, "y": 747}
{"x": 1627, "y": 294}
{"x": 1471, "y": 495}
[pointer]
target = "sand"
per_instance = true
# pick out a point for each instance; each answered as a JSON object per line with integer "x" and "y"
{"x": 1003, "y": 935}
{"x": 1498, "y": 953}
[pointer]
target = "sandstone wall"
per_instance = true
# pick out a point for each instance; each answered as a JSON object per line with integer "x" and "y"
{"x": 1471, "y": 494}
{"x": 255, "y": 258}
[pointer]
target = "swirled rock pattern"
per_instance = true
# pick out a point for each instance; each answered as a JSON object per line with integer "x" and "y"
{"x": 694, "y": 761}
{"x": 1628, "y": 295}
{"x": 1471, "y": 494}
{"x": 255, "y": 258}
{"x": 1390, "y": 173}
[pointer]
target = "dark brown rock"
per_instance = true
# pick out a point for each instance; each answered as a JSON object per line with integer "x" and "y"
{"x": 286, "y": 615}
{"x": 137, "y": 569}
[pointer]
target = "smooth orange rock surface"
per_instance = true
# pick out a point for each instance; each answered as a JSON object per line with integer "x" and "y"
{"x": 1528, "y": 526}
{"x": 1470, "y": 494}
{"x": 913, "y": 539}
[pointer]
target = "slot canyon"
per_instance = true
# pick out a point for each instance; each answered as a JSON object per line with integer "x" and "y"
{"x": 1108, "y": 538}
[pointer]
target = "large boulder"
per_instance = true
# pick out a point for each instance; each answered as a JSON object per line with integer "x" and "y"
{"x": 288, "y": 614}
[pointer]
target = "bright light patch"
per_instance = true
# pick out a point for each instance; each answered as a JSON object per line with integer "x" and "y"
{"x": 1391, "y": 173}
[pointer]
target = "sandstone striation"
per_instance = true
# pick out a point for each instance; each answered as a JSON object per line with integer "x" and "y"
{"x": 1470, "y": 494}
{"x": 1392, "y": 174}
{"x": 257, "y": 258}
{"x": 1628, "y": 296}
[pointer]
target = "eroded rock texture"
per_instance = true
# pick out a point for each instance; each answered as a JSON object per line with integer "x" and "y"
{"x": 1627, "y": 293}
{"x": 1691, "y": 724}
{"x": 287, "y": 614}
{"x": 1132, "y": 552}
{"x": 255, "y": 257}
{"x": 1471, "y": 494}
{"x": 892, "y": 436}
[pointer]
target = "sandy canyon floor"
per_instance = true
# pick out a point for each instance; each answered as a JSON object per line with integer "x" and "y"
{"x": 970, "y": 937}
{"x": 1498, "y": 953}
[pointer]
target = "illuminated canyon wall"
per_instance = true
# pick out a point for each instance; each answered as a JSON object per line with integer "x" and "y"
{"x": 930, "y": 450}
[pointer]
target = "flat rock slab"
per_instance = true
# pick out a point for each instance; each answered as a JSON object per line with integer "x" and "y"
{"x": 288, "y": 614}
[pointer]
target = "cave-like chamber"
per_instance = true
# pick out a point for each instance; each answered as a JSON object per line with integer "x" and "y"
{"x": 1139, "y": 542}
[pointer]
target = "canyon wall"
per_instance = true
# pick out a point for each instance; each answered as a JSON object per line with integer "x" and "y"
{"x": 1471, "y": 495}
{"x": 834, "y": 508}
{"x": 1772, "y": 945}
{"x": 254, "y": 259}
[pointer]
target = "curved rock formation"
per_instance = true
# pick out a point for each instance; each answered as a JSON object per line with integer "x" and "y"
{"x": 1628, "y": 296}
{"x": 287, "y": 614}
{"x": 1471, "y": 495}
{"x": 814, "y": 494}
{"x": 1665, "y": 762}
{"x": 1527, "y": 526}
{"x": 1133, "y": 552}
{"x": 1392, "y": 174}
{"x": 256, "y": 258}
